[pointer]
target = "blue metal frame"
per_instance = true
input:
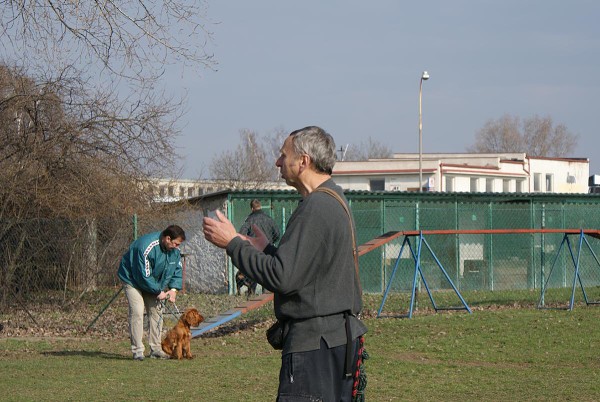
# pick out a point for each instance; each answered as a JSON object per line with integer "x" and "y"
{"x": 418, "y": 271}
{"x": 576, "y": 276}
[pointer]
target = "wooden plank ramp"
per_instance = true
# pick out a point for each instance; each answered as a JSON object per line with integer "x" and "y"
{"x": 214, "y": 322}
{"x": 378, "y": 242}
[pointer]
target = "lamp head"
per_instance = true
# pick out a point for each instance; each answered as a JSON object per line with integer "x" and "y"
{"x": 425, "y": 75}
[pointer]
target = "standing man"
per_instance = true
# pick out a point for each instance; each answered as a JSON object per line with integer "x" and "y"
{"x": 151, "y": 271}
{"x": 267, "y": 225}
{"x": 264, "y": 222}
{"x": 311, "y": 273}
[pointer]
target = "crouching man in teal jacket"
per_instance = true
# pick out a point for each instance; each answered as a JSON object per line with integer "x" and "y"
{"x": 151, "y": 271}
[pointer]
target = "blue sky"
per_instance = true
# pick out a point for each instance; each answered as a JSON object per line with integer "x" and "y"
{"x": 353, "y": 68}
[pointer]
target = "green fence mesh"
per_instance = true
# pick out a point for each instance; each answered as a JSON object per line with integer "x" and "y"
{"x": 485, "y": 268}
{"x": 517, "y": 264}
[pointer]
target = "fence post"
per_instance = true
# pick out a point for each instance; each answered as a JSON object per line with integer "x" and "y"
{"x": 135, "y": 226}
{"x": 543, "y": 257}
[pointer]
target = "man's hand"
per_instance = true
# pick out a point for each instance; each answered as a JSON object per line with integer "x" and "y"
{"x": 259, "y": 241}
{"x": 162, "y": 295}
{"x": 218, "y": 231}
{"x": 172, "y": 295}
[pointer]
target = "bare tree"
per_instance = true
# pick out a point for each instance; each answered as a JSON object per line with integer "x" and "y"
{"x": 536, "y": 136}
{"x": 70, "y": 169}
{"x": 369, "y": 149}
{"x": 130, "y": 38}
{"x": 73, "y": 167}
{"x": 543, "y": 138}
{"x": 83, "y": 124}
{"x": 273, "y": 143}
{"x": 60, "y": 127}
{"x": 106, "y": 61}
{"x": 250, "y": 165}
{"x": 85, "y": 95}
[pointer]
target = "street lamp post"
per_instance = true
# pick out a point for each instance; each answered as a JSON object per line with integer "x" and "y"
{"x": 424, "y": 77}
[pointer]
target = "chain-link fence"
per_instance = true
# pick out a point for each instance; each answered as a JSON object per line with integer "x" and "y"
{"x": 513, "y": 266}
{"x": 57, "y": 255}
{"x": 484, "y": 267}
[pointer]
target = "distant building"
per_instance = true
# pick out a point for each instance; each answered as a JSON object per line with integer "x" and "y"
{"x": 476, "y": 173}
{"x": 169, "y": 190}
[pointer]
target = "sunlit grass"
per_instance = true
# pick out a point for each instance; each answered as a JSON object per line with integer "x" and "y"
{"x": 497, "y": 354}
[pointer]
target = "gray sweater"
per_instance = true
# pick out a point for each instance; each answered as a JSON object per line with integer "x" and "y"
{"x": 311, "y": 273}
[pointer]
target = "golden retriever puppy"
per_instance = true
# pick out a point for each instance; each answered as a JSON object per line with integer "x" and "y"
{"x": 177, "y": 342}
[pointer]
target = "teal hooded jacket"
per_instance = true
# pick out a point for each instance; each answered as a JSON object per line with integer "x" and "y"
{"x": 148, "y": 267}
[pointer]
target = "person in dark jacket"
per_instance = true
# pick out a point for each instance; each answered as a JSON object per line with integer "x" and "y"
{"x": 311, "y": 272}
{"x": 264, "y": 222}
{"x": 151, "y": 272}
{"x": 267, "y": 225}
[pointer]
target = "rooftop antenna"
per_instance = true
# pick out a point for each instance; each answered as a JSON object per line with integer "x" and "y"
{"x": 342, "y": 152}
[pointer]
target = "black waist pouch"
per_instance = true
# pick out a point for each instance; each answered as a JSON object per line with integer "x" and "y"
{"x": 275, "y": 335}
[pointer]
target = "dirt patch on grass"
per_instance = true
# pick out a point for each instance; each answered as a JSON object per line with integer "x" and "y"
{"x": 95, "y": 316}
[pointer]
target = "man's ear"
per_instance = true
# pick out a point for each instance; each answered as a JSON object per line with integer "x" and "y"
{"x": 304, "y": 162}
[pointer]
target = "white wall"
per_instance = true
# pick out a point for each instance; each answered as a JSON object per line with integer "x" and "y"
{"x": 509, "y": 174}
{"x": 568, "y": 176}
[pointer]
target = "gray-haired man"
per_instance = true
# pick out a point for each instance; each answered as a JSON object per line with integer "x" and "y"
{"x": 311, "y": 273}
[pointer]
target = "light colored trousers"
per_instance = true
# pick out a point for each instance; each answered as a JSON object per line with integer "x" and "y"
{"x": 138, "y": 302}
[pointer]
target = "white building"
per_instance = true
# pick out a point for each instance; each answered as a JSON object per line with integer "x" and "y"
{"x": 493, "y": 173}
{"x": 169, "y": 190}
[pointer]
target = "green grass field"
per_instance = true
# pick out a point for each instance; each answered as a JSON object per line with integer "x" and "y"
{"x": 494, "y": 354}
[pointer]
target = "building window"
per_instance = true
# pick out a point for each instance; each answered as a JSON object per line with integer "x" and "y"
{"x": 506, "y": 185}
{"x": 489, "y": 185}
{"x": 549, "y": 183}
{"x": 190, "y": 191}
{"x": 182, "y": 191}
{"x": 537, "y": 182}
{"x": 171, "y": 191}
{"x": 474, "y": 184}
{"x": 162, "y": 191}
{"x": 377, "y": 184}
{"x": 520, "y": 185}
{"x": 449, "y": 183}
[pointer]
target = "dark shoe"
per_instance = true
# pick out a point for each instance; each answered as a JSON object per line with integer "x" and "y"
{"x": 159, "y": 354}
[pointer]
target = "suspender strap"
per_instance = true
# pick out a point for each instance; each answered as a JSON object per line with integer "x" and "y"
{"x": 348, "y": 362}
{"x": 354, "y": 248}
